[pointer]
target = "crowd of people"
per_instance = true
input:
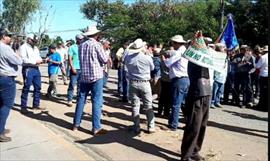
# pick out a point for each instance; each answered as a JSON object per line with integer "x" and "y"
{"x": 145, "y": 72}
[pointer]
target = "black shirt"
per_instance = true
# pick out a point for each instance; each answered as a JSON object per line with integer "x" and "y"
{"x": 199, "y": 80}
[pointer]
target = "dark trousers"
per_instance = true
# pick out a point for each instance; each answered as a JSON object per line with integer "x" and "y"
{"x": 229, "y": 87}
{"x": 243, "y": 85}
{"x": 197, "y": 117}
{"x": 165, "y": 101}
{"x": 31, "y": 76}
{"x": 262, "y": 105}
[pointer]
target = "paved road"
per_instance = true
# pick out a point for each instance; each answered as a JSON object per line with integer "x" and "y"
{"x": 232, "y": 134}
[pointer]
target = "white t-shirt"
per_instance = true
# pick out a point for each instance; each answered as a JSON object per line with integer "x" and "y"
{"x": 63, "y": 53}
{"x": 263, "y": 65}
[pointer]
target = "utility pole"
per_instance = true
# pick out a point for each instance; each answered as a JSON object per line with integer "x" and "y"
{"x": 222, "y": 14}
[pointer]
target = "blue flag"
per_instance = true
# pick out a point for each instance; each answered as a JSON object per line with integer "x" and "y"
{"x": 228, "y": 36}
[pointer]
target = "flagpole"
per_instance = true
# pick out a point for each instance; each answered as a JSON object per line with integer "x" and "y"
{"x": 222, "y": 15}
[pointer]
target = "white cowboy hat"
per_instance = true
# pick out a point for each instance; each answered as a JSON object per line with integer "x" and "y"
{"x": 208, "y": 39}
{"x": 178, "y": 39}
{"x": 137, "y": 46}
{"x": 91, "y": 30}
{"x": 220, "y": 45}
{"x": 265, "y": 48}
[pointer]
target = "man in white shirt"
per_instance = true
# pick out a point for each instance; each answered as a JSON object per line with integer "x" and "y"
{"x": 262, "y": 65}
{"x": 31, "y": 74}
{"x": 179, "y": 78}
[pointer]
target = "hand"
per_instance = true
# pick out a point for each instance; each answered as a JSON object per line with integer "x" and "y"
{"x": 39, "y": 62}
{"x": 163, "y": 57}
{"x": 74, "y": 71}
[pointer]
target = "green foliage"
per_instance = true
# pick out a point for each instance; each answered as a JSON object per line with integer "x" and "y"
{"x": 16, "y": 13}
{"x": 250, "y": 21}
{"x": 155, "y": 22}
{"x": 45, "y": 41}
{"x": 58, "y": 40}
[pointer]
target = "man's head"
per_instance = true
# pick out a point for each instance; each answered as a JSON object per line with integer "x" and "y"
{"x": 52, "y": 48}
{"x": 207, "y": 40}
{"x": 106, "y": 43}
{"x": 92, "y": 32}
{"x": 32, "y": 39}
{"x": 265, "y": 49}
{"x": 5, "y": 35}
{"x": 243, "y": 48}
{"x": 177, "y": 41}
{"x": 220, "y": 47}
{"x": 79, "y": 38}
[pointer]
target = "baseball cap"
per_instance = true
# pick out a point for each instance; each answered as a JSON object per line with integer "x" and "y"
{"x": 6, "y": 32}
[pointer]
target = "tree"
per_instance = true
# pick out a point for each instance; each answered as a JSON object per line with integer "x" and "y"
{"x": 154, "y": 22}
{"x": 250, "y": 19}
{"x": 16, "y": 13}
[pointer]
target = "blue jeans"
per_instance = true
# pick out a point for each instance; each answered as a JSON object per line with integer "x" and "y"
{"x": 120, "y": 80}
{"x": 179, "y": 91}
{"x": 105, "y": 79}
{"x": 7, "y": 97}
{"x": 218, "y": 89}
{"x": 74, "y": 79}
{"x": 125, "y": 85}
{"x": 96, "y": 89}
{"x": 31, "y": 76}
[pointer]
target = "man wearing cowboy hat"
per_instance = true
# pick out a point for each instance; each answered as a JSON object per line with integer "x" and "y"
{"x": 9, "y": 62}
{"x": 179, "y": 78}
{"x": 262, "y": 65}
{"x": 139, "y": 65}
{"x": 30, "y": 70}
{"x": 92, "y": 59}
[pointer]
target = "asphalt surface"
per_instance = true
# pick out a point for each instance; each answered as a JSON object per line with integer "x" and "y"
{"x": 233, "y": 133}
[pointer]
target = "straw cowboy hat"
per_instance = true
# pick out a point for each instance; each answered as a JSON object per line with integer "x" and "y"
{"x": 137, "y": 46}
{"x": 208, "y": 39}
{"x": 178, "y": 39}
{"x": 265, "y": 48}
{"x": 91, "y": 30}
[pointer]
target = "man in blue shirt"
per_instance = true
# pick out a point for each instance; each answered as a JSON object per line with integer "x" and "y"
{"x": 54, "y": 61}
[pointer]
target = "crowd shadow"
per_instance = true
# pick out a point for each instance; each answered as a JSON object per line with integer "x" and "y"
{"x": 246, "y": 116}
{"x": 47, "y": 117}
{"x": 123, "y": 136}
{"x": 60, "y": 99}
{"x": 238, "y": 129}
{"x": 129, "y": 140}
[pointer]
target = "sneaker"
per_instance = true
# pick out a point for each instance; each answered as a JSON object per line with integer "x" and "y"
{"x": 99, "y": 132}
{"x": 39, "y": 108}
{"x": 197, "y": 157}
{"x": 250, "y": 105}
{"x": 151, "y": 130}
{"x": 4, "y": 138}
{"x": 6, "y": 131}
{"x": 219, "y": 105}
{"x": 212, "y": 106}
{"x": 24, "y": 110}
{"x": 69, "y": 104}
{"x": 75, "y": 128}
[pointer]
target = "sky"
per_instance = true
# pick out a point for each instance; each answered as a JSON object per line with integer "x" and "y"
{"x": 64, "y": 19}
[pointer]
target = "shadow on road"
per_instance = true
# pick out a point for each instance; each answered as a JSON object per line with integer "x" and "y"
{"x": 247, "y": 116}
{"x": 128, "y": 139}
{"x": 47, "y": 117}
{"x": 238, "y": 129}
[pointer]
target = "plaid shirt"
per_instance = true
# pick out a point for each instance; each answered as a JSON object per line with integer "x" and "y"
{"x": 92, "y": 59}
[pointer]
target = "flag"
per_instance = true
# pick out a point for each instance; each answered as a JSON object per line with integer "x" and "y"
{"x": 228, "y": 36}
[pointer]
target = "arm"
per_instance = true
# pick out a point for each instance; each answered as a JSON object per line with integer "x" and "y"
{"x": 101, "y": 54}
{"x": 13, "y": 58}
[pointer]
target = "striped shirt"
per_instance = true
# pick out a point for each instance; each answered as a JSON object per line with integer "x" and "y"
{"x": 92, "y": 59}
